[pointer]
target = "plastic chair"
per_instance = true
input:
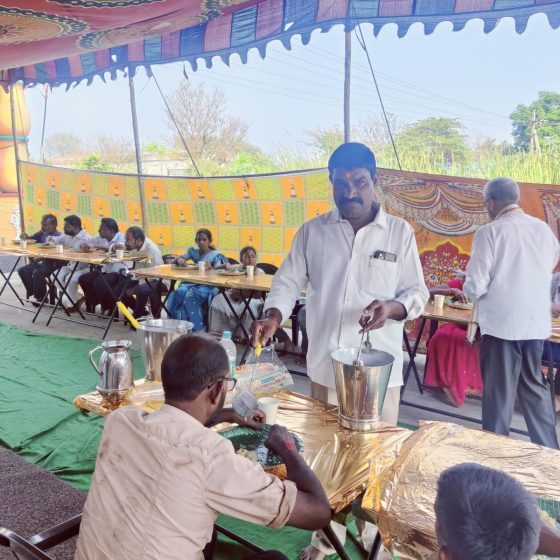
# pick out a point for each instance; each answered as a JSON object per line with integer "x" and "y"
{"x": 33, "y": 548}
{"x": 232, "y": 261}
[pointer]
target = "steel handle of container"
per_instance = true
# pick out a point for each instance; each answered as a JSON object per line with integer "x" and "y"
{"x": 92, "y": 362}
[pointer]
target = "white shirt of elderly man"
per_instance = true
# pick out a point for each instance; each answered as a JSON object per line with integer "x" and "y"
{"x": 509, "y": 275}
{"x": 359, "y": 266}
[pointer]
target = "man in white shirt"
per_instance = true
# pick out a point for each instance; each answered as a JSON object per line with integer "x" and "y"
{"x": 135, "y": 240}
{"x": 74, "y": 237}
{"x": 161, "y": 479}
{"x": 509, "y": 276}
{"x": 92, "y": 283}
{"x": 360, "y": 267}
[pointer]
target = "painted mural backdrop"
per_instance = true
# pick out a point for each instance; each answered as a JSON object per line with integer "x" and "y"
{"x": 266, "y": 211}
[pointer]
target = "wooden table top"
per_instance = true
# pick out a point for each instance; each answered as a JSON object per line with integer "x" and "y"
{"x": 73, "y": 255}
{"x": 261, "y": 282}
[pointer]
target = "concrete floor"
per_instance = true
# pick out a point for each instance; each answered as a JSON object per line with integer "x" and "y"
{"x": 408, "y": 414}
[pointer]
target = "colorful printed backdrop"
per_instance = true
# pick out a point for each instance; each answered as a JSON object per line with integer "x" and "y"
{"x": 266, "y": 211}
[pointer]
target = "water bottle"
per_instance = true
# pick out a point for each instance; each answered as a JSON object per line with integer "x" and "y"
{"x": 231, "y": 350}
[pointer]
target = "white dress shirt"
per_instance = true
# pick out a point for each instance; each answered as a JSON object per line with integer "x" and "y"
{"x": 342, "y": 278}
{"x": 161, "y": 479}
{"x": 509, "y": 276}
{"x": 154, "y": 253}
{"x": 103, "y": 243}
{"x": 72, "y": 242}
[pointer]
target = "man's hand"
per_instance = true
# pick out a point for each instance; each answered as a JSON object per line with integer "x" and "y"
{"x": 180, "y": 262}
{"x": 23, "y": 236}
{"x": 280, "y": 441}
{"x": 118, "y": 246}
{"x": 86, "y": 248}
{"x": 255, "y": 420}
{"x": 376, "y": 314}
{"x": 263, "y": 330}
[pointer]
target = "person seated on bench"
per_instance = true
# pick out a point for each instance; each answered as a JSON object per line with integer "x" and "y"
{"x": 137, "y": 293}
{"x": 33, "y": 274}
{"x": 190, "y": 302}
{"x": 91, "y": 282}
{"x": 485, "y": 514}
{"x": 161, "y": 478}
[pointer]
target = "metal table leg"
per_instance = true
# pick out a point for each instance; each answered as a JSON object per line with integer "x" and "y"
{"x": 412, "y": 351}
{"x": 337, "y": 545}
{"x": 7, "y": 280}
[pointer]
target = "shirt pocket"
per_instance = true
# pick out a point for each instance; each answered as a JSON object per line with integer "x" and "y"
{"x": 379, "y": 278}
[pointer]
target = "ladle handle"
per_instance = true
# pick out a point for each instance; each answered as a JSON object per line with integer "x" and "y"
{"x": 93, "y": 364}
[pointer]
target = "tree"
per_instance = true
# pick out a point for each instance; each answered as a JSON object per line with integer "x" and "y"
{"x": 374, "y": 133}
{"x": 441, "y": 139}
{"x": 325, "y": 140}
{"x": 94, "y": 163}
{"x": 202, "y": 117}
{"x": 64, "y": 146}
{"x": 545, "y": 124}
{"x": 118, "y": 153}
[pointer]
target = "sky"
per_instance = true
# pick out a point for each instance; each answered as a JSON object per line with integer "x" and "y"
{"x": 476, "y": 77}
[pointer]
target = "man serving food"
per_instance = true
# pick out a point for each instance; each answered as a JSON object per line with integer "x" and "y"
{"x": 361, "y": 269}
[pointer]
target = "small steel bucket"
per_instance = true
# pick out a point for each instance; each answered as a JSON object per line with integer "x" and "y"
{"x": 155, "y": 336}
{"x": 361, "y": 390}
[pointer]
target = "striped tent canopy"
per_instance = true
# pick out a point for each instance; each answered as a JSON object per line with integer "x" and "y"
{"x": 66, "y": 41}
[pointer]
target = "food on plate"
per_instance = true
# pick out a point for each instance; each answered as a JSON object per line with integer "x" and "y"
{"x": 248, "y": 454}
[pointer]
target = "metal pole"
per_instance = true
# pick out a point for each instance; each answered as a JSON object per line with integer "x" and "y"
{"x": 16, "y": 152}
{"x": 46, "y": 97}
{"x": 347, "y": 65}
{"x": 137, "y": 150}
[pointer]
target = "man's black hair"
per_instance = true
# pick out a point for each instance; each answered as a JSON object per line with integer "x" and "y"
{"x": 110, "y": 224}
{"x": 51, "y": 218}
{"x": 74, "y": 221}
{"x": 136, "y": 233}
{"x": 190, "y": 365}
{"x": 485, "y": 514}
{"x": 352, "y": 155}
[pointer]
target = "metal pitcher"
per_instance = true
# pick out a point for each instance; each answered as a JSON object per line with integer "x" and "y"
{"x": 361, "y": 389}
{"x": 115, "y": 369}
{"x": 155, "y": 336}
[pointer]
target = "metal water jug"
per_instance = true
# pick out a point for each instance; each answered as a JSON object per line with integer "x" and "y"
{"x": 361, "y": 389}
{"x": 115, "y": 369}
{"x": 155, "y": 336}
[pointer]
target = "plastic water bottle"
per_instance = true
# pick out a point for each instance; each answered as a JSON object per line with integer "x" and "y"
{"x": 231, "y": 350}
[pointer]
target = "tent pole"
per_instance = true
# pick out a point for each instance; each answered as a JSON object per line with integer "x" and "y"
{"x": 347, "y": 65}
{"x": 137, "y": 149}
{"x": 16, "y": 152}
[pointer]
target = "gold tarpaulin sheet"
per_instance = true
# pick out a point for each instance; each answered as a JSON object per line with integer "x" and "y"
{"x": 401, "y": 495}
{"x": 340, "y": 458}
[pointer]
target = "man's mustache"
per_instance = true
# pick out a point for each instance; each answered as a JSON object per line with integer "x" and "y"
{"x": 353, "y": 200}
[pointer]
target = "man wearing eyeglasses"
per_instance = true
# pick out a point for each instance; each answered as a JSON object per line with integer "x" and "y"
{"x": 161, "y": 478}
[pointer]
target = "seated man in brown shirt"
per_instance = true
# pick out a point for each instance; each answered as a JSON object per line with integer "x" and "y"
{"x": 161, "y": 478}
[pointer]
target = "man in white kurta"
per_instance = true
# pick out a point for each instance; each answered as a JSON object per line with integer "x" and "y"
{"x": 357, "y": 263}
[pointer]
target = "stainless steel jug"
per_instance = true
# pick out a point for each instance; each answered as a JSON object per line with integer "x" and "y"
{"x": 360, "y": 389}
{"x": 155, "y": 336}
{"x": 115, "y": 369}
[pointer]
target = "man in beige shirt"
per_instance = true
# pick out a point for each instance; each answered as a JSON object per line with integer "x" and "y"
{"x": 162, "y": 478}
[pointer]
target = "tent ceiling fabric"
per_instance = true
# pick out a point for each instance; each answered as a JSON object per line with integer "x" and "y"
{"x": 66, "y": 41}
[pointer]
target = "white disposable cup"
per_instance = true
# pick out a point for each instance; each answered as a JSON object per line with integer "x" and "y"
{"x": 60, "y": 249}
{"x": 439, "y": 300}
{"x": 23, "y": 244}
{"x": 269, "y": 405}
{"x": 3, "y": 241}
{"x": 119, "y": 253}
{"x": 202, "y": 266}
{"x": 250, "y": 270}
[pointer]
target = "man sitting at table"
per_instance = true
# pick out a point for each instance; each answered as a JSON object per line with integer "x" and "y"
{"x": 161, "y": 478}
{"x": 485, "y": 514}
{"x": 33, "y": 274}
{"x": 74, "y": 237}
{"x": 90, "y": 282}
{"x": 137, "y": 293}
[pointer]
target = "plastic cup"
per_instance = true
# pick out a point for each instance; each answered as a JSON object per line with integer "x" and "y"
{"x": 243, "y": 403}
{"x": 250, "y": 270}
{"x": 3, "y": 241}
{"x": 59, "y": 249}
{"x": 439, "y": 300}
{"x": 23, "y": 244}
{"x": 269, "y": 405}
{"x": 119, "y": 253}
{"x": 202, "y": 267}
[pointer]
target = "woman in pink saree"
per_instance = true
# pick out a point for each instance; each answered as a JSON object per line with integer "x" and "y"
{"x": 452, "y": 363}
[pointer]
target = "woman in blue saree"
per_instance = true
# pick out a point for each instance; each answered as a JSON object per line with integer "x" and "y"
{"x": 188, "y": 301}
